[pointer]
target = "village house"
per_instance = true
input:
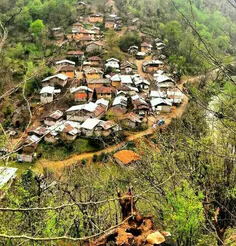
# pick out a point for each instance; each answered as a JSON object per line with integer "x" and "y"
{"x": 47, "y": 94}
{"x": 96, "y": 83}
{"x": 69, "y": 71}
{"x": 161, "y": 105}
{"x": 120, "y": 101}
{"x": 95, "y": 61}
{"x": 79, "y": 55}
{"x": 53, "y": 118}
{"x": 146, "y": 48}
{"x": 129, "y": 90}
{"x": 106, "y": 128}
{"x": 55, "y": 80}
{"x": 115, "y": 80}
{"x": 63, "y": 63}
{"x": 131, "y": 121}
{"x": 82, "y": 93}
{"x": 81, "y": 113}
{"x": 94, "y": 46}
{"x": 104, "y": 92}
{"x": 96, "y": 18}
{"x": 38, "y": 131}
{"x": 157, "y": 94}
{"x": 175, "y": 96}
{"x": 127, "y": 68}
{"x": 69, "y": 133}
{"x": 7, "y": 175}
{"x": 103, "y": 103}
{"x": 152, "y": 66}
{"x": 97, "y": 32}
{"x": 109, "y": 23}
{"x": 93, "y": 73}
{"x": 141, "y": 107}
{"x": 28, "y": 148}
{"x": 88, "y": 126}
{"x": 52, "y": 137}
{"x": 126, "y": 80}
{"x": 78, "y": 26}
{"x": 57, "y": 33}
{"x": 113, "y": 63}
{"x": 126, "y": 158}
{"x": 82, "y": 33}
{"x": 133, "y": 50}
{"x": 140, "y": 55}
{"x": 85, "y": 40}
{"x": 164, "y": 82}
{"x": 142, "y": 84}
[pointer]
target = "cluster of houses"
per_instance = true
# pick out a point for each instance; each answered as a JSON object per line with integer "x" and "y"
{"x": 107, "y": 96}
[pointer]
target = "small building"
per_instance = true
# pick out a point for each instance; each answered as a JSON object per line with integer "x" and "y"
{"x": 152, "y": 66}
{"x": 157, "y": 94}
{"x": 129, "y": 90}
{"x": 80, "y": 113}
{"x": 96, "y": 18}
{"x": 115, "y": 80}
{"x": 164, "y": 82}
{"x": 140, "y": 55}
{"x": 95, "y": 61}
{"x": 57, "y": 33}
{"x": 62, "y": 63}
{"x": 69, "y": 133}
{"x": 126, "y": 80}
{"x": 94, "y": 46}
{"x": 82, "y": 93}
{"x": 55, "y": 80}
{"x": 103, "y": 102}
{"x": 106, "y": 128}
{"x": 113, "y": 63}
{"x": 175, "y": 96}
{"x": 96, "y": 83}
{"x": 120, "y": 101}
{"x": 104, "y": 92}
{"x": 133, "y": 50}
{"x": 141, "y": 107}
{"x": 47, "y": 94}
{"x": 53, "y": 118}
{"x": 88, "y": 126}
{"x": 131, "y": 121}
{"x": 93, "y": 73}
{"x": 142, "y": 84}
{"x": 78, "y": 25}
{"x": 85, "y": 40}
{"x": 7, "y": 175}
{"x": 69, "y": 71}
{"x": 161, "y": 105}
{"x": 109, "y": 23}
{"x": 97, "y": 31}
{"x": 127, "y": 68}
{"x": 146, "y": 47}
{"x": 126, "y": 158}
{"x": 79, "y": 55}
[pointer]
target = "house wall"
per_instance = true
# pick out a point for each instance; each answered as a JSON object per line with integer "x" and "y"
{"x": 95, "y": 85}
{"x": 96, "y": 19}
{"x": 145, "y": 49}
{"x": 46, "y": 99}
{"x": 69, "y": 74}
{"x": 93, "y": 76}
{"x": 50, "y": 139}
{"x": 116, "y": 83}
{"x": 104, "y": 95}
{"x": 24, "y": 158}
{"x": 79, "y": 116}
{"x": 109, "y": 25}
{"x": 68, "y": 137}
{"x": 151, "y": 69}
{"x": 95, "y": 63}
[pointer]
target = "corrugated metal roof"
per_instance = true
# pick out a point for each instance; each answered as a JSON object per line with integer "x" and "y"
{"x": 6, "y": 173}
{"x": 47, "y": 89}
{"x": 65, "y": 61}
{"x": 89, "y": 124}
{"x": 160, "y": 101}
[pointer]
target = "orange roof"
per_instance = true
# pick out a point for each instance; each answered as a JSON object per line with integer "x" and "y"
{"x": 126, "y": 156}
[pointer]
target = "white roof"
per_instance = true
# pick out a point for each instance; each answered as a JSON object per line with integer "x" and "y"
{"x": 6, "y": 173}
{"x": 33, "y": 139}
{"x": 47, "y": 89}
{"x": 142, "y": 81}
{"x": 160, "y": 44}
{"x": 120, "y": 100}
{"x": 103, "y": 102}
{"x": 80, "y": 88}
{"x": 158, "y": 72}
{"x": 163, "y": 78}
{"x": 156, "y": 62}
{"x": 115, "y": 77}
{"x": 133, "y": 47}
{"x": 135, "y": 97}
{"x": 158, "y": 101}
{"x": 126, "y": 79}
{"x": 157, "y": 94}
{"x": 59, "y": 76}
{"x": 88, "y": 107}
{"x": 59, "y": 126}
{"x": 121, "y": 92}
{"x": 65, "y": 61}
{"x": 133, "y": 88}
{"x": 89, "y": 124}
{"x": 112, "y": 59}
{"x": 141, "y": 54}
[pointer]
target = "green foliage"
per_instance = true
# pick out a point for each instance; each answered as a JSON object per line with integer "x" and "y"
{"x": 129, "y": 39}
{"x": 37, "y": 27}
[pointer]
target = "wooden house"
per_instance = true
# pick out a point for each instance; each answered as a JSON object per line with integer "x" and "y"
{"x": 47, "y": 94}
{"x": 53, "y": 118}
{"x": 161, "y": 105}
{"x": 55, "y": 80}
{"x": 95, "y": 46}
{"x": 126, "y": 158}
{"x": 82, "y": 94}
{"x": 116, "y": 80}
{"x": 95, "y": 61}
{"x": 109, "y": 23}
{"x": 146, "y": 47}
{"x": 131, "y": 121}
{"x": 96, "y": 18}
{"x": 69, "y": 71}
{"x": 93, "y": 73}
{"x": 104, "y": 92}
{"x": 96, "y": 83}
{"x": 152, "y": 66}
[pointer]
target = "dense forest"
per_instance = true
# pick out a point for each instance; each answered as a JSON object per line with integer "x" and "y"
{"x": 186, "y": 178}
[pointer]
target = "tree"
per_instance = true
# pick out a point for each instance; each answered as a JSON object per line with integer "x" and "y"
{"x": 37, "y": 27}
